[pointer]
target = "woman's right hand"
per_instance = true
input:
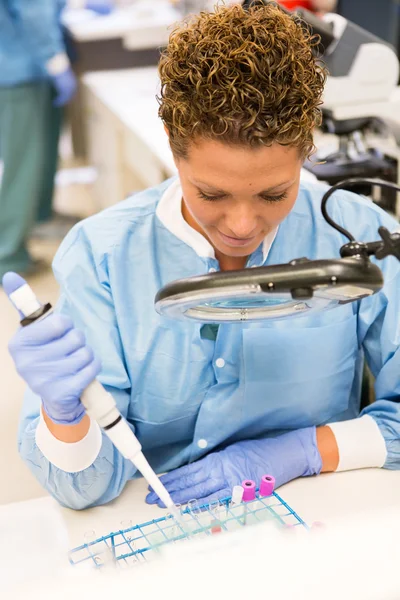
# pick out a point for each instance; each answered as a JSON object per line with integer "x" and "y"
{"x": 54, "y": 360}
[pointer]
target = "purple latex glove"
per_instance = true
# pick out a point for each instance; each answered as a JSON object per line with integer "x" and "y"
{"x": 54, "y": 360}
{"x": 287, "y": 457}
{"x": 65, "y": 86}
{"x": 101, "y": 7}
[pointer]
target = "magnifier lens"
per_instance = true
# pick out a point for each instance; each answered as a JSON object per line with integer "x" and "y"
{"x": 246, "y": 302}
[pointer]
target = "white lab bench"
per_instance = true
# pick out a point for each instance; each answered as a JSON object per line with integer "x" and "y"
{"x": 323, "y": 498}
{"x": 37, "y": 532}
{"x": 126, "y": 139}
{"x": 131, "y": 36}
{"x": 140, "y": 25}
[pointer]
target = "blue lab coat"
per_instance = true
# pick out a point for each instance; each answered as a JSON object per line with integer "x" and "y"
{"x": 164, "y": 374}
{"x": 30, "y": 35}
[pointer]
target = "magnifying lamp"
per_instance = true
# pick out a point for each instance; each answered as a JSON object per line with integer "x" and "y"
{"x": 285, "y": 290}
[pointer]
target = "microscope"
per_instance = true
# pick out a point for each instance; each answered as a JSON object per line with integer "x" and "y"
{"x": 361, "y": 108}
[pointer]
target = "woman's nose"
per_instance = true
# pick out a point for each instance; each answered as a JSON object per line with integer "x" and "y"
{"x": 242, "y": 224}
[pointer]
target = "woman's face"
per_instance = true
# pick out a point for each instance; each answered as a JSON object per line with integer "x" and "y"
{"x": 236, "y": 195}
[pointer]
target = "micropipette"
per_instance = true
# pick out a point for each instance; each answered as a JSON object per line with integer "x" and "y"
{"x": 99, "y": 404}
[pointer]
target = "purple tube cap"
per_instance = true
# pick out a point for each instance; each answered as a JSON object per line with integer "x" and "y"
{"x": 267, "y": 485}
{"x": 249, "y": 490}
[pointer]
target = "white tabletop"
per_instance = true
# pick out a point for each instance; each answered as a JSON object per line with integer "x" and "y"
{"x": 324, "y": 498}
{"x": 130, "y": 94}
{"x": 42, "y": 531}
{"x": 154, "y": 17}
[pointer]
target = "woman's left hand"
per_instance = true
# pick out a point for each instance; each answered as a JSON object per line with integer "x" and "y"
{"x": 286, "y": 457}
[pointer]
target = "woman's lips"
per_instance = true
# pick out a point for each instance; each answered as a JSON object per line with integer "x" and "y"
{"x": 232, "y": 241}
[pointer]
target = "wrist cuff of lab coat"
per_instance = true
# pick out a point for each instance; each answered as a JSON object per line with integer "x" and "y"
{"x": 74, "y": 457}
{"x": 58, "y": 64}
{"x": 360, "y": 443}
{"x": 75, "y": 4}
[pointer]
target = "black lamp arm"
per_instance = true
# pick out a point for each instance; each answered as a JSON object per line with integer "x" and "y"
{"x": 390, "y": 243}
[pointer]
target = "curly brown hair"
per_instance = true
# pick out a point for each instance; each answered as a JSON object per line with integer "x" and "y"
{"x": 243, "y": 76}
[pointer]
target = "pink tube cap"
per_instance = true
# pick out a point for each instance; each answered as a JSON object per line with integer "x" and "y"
{"x": 249, "y": 490}
{"x": 267, "y": 485}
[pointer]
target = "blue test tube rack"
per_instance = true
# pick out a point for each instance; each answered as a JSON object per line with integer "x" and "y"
{"x": 136, "y": 544}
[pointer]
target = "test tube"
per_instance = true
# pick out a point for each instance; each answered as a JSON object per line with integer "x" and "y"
{"x": 108, "y": 555}
{"x": 215, "y": 509}
{"x": 95, "y": 550}
{"x": 237, "y": 495}
{"x": 176, "y": 529}
{"x": 126, "y": 526}
{"x": 235, "y": 506}
{"x": 194, "y": 511}
{"x": 127, "y": 535}
{"x": 267, "y": 485}
{"x": 265, "y": 491}
{"x": 89, "y": 536}
{"x": 193, "y": 517}
{"x": 249, "y": 490}
{"x": 249, "y": 496}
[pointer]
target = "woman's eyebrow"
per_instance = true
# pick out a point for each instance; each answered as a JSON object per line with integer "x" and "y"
{"x": 208, "y": 185}
{"x": 220, "y": 191}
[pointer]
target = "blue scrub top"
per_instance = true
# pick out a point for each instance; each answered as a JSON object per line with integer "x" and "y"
{"x": 185, "y": 393}
{"x": 30, "y": 35}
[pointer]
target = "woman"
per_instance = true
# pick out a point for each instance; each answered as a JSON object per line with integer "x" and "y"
{"x": 240, "y": 98}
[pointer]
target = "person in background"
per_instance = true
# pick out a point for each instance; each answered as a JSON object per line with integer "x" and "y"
{"x": 36, "y": 81}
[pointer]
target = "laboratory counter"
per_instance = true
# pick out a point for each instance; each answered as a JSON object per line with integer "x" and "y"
{"x": 139, "y": 25}
{"x": 131, "y": 36}
{"x": 323, "y": 499}
{"x": 127, "y": 143}
{"x": 36, "y": 534}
